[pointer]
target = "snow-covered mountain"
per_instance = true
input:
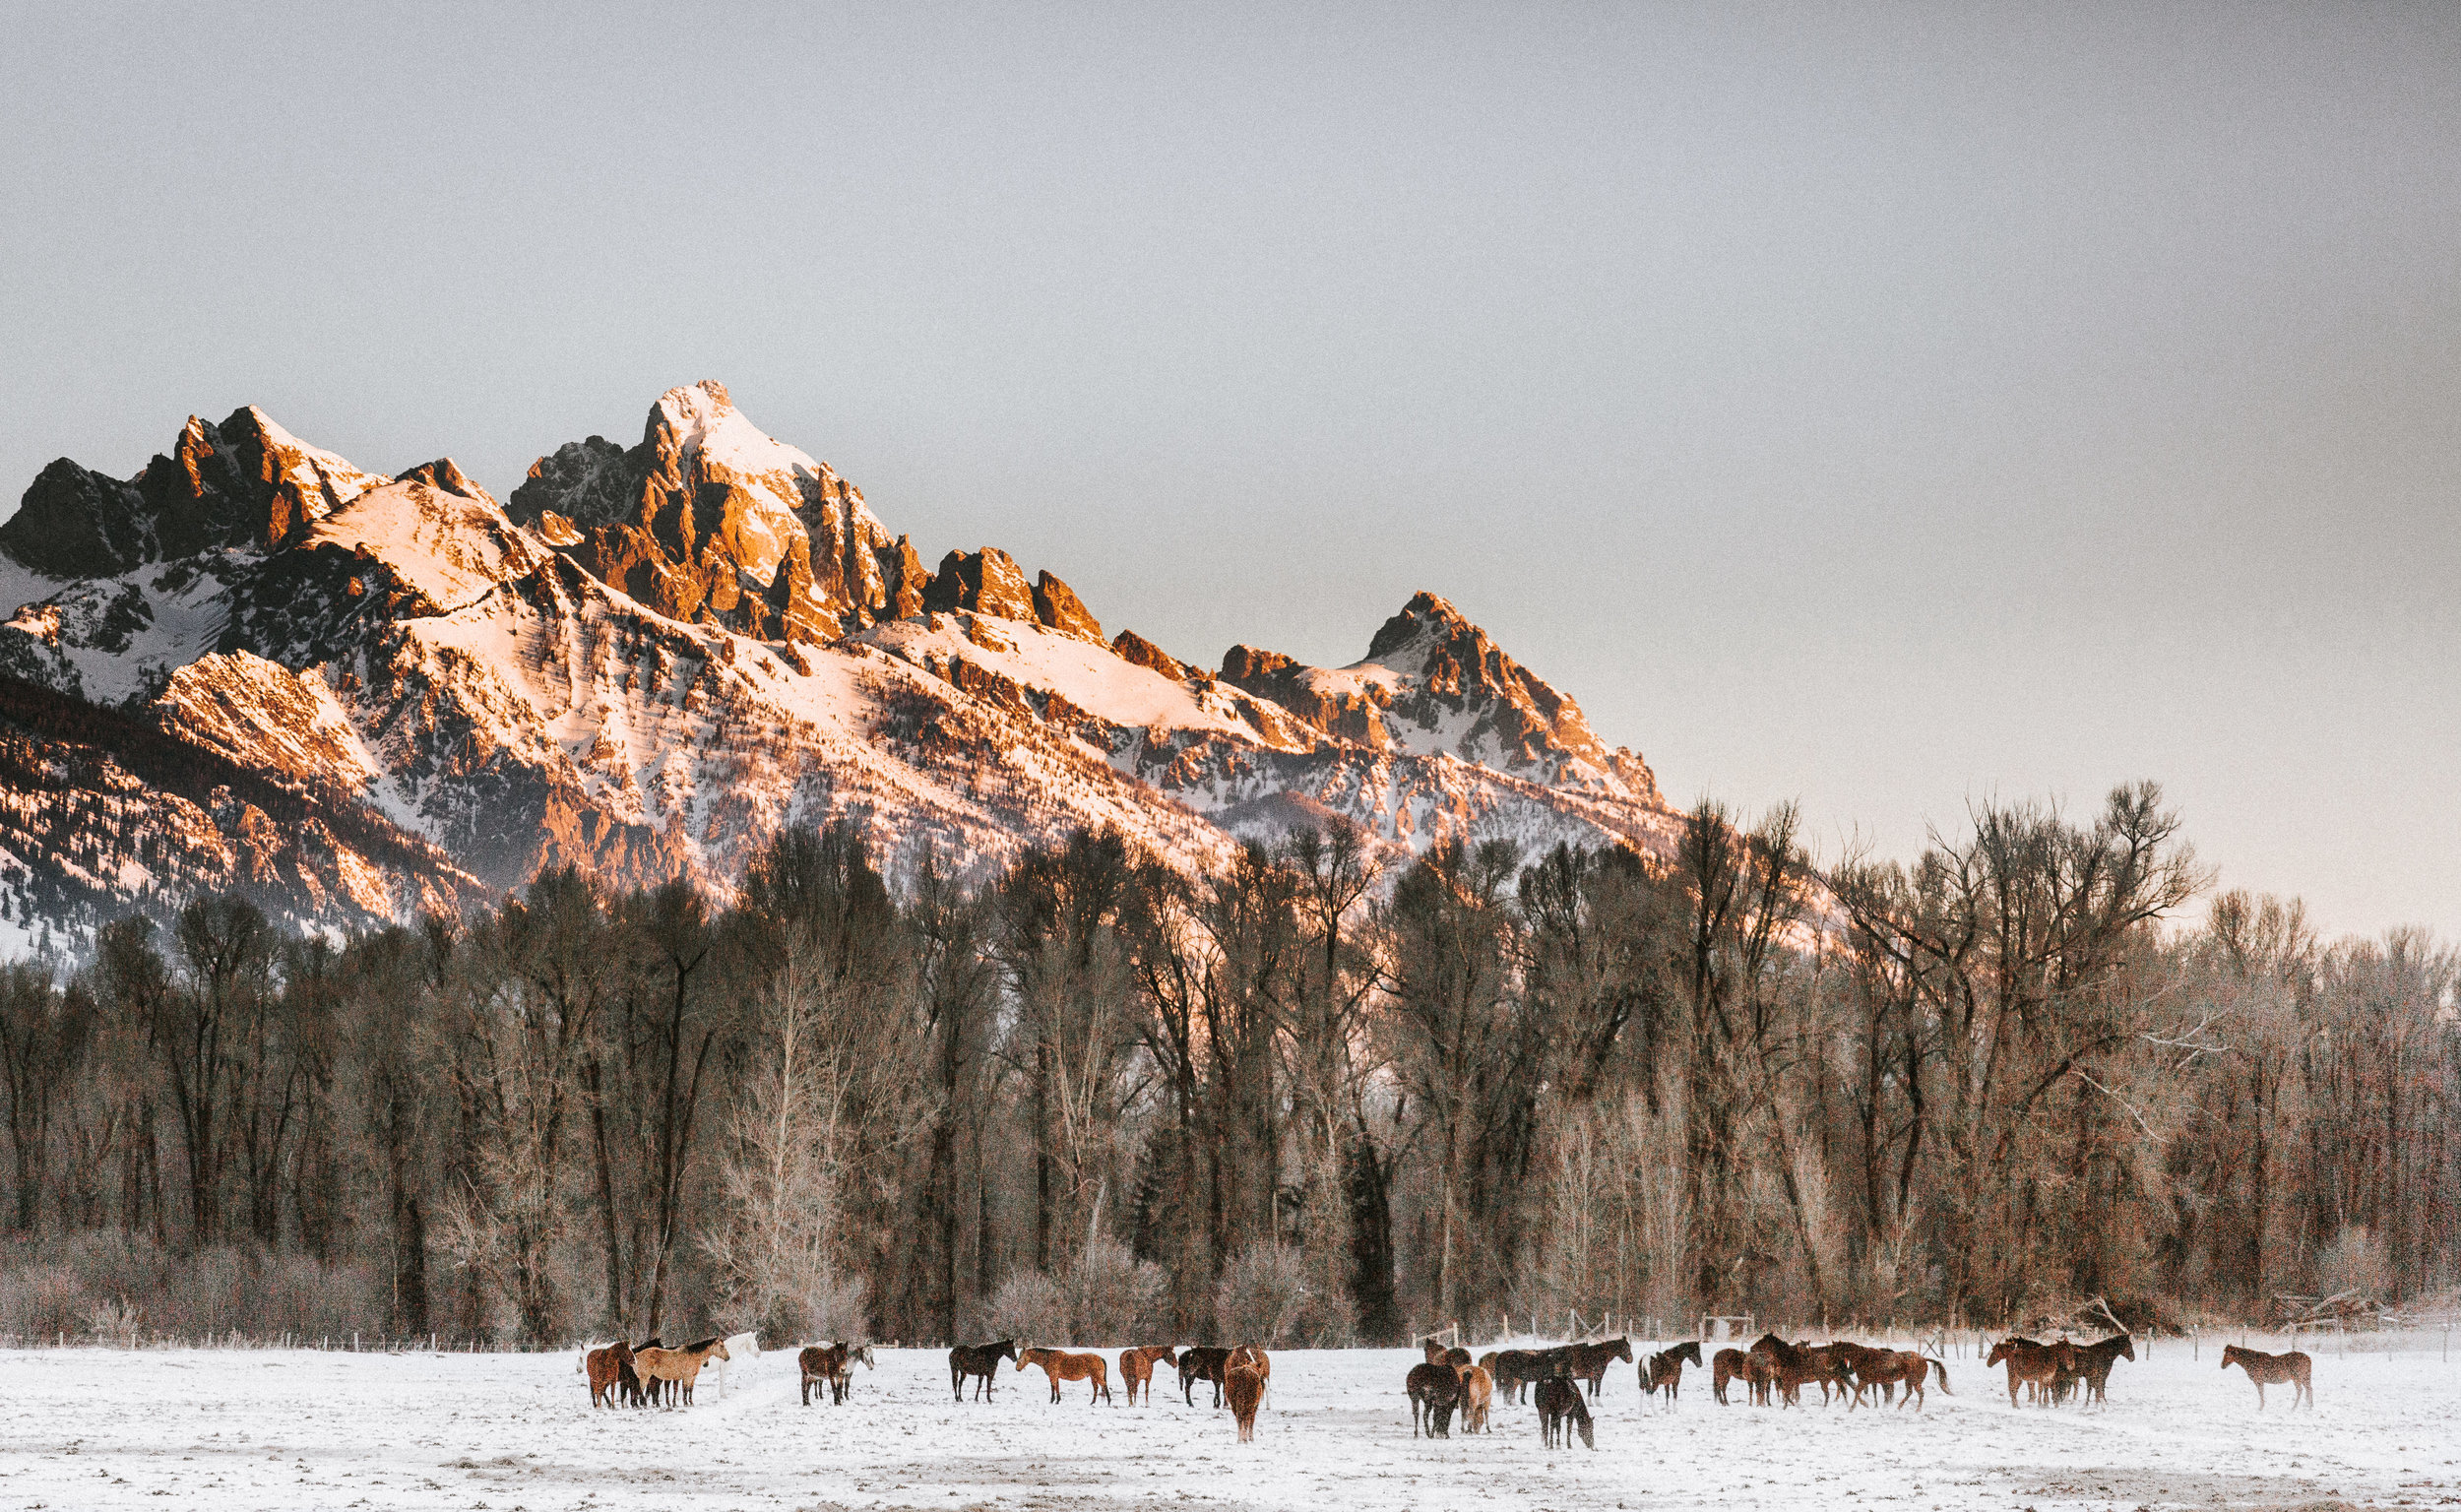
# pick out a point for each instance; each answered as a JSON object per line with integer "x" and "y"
{"x": 645, "y": 661}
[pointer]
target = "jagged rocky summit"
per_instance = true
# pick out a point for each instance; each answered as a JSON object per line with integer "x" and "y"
{"x": 359, "y": 696}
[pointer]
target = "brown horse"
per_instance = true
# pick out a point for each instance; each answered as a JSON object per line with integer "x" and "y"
{"x": 1244, "y": 1381}
{"x": 2033, "y": 1363}
{"x": 1136, "y": 1367}
{"x": 978, "y": 1359}
{"x": 1477, "y": 1394}
{"x": 679, "y": 1369}
{"x": 1561, "y": 1410}
{"x": 820, "y": 1365}
{"x": 1891, "y": 1369}
{"x": 1665, "y": 1370}
{"x": 1434, "y": 1391}
{"x": 2094, "y": 1362}
{"x": 1061, "y": 1366}
{"x": 1588, "y": 1361}
{"x": 1724, "y": 1367}
{"x": 1515, "y": 1370}
{"x": 1252, "y": 1355}
{"x": 1787, "y": 1366}
{"x": 2272, "y": 1370}
{"x": 612, "y": 1377}
{"x": 1202, "y": 1362}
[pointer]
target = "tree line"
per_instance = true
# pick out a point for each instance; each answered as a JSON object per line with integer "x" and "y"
{"x": 1299, "y": 1097}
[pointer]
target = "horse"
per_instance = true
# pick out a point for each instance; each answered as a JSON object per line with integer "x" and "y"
{"x": 1202, "y": 1362}
{"x": 1434, "y": 1391}
{"x": 1439, "y": 1354}
{"x": 983, "y": 1360}
{"x": 2094, "y": 1362}
{"x": 1588, "y": 1361}
{"x": 1725, "y": 1365}
{"x": 612, "y": 1376}
{"x": 1060, "y": 1366}
{"x": 1514, "y": 1371}
{"x": 1244, "y": 1380}
{"x": 1666, "y": 1369}
{"x": 2035, "y": 1364}
{"x": 1254, "y": 1357}
{"x": 1561, "y": 1410}
{"x": 1891, "y": 1369}
{"x": 2272, "y": 1370}
{"x": 1832, "y": 1364}
{"x": 747, "y": 1342}
{"x": 820, "y": 1364}
{"x": 679, "y": 1369}
{"x": 1788, "y": 1366}
{"x": 1478, "y": 1392}
{"x": 1136, "y": 1367}
{"x": 647, "y": 1393}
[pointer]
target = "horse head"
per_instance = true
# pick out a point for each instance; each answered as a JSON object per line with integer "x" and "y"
{"x": 2000, "y": 1352}
{"x": 1689, "y": 1350}
{"x": 2127, "y": 1347}
{"x": 1622, "y": 1349}
{"x": 863, "y": 1354}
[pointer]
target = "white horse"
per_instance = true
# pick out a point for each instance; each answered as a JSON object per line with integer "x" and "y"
{"x": 747, "y": 1344}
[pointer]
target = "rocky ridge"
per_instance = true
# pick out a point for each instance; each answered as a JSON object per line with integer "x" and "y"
{"x": 648, "y": 660}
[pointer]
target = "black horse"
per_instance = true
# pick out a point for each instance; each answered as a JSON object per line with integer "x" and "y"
{"x": 1434, "y": 1391}
{"x": 1560, "y": 1409}
{"x": 1515, "y": 1369}
{"x": 983, "y": 1360}
{"x": 1202, "y": 1362}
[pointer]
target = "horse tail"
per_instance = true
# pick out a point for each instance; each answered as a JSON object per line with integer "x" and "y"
{"x": 1941, "y": 1367}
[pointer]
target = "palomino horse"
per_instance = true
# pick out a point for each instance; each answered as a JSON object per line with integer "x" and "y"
{"x": 1666, "y": 1369}
{"x": 2033, "y": 1363}
{"x": 1061, "y": 1366}
{"x": 1588, "y": 1361}
{"x": 2272, "y": 1370}
{"x": 983, "y": 1360}
{"x": 679, "y": 1369}
{"x": 1202, "y": 1362}
{"x": 1136, "y": 1367}
{"x": 1434, "y": 1391}
{"x": 1560, "y": 1411}
{"x": 612, "y": 1377}
{"x": 1478, "y": 1393}
{"x": 1244, "y": 1381}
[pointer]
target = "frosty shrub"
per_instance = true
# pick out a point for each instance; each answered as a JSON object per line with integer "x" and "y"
{"x": 1114, "y": 1296}
{"x": 1263, "y": 1296}
{"x": 1030, "y": 1308}
{"x": 108, "y": 1285}
{"x": 42, "y": 1301}
{"x": 2356, "y": 1261}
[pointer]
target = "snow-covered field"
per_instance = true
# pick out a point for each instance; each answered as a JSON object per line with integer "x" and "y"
{"x": 106, "y": 1428}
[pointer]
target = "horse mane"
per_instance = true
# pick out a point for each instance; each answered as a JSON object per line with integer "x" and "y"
{"x": 711, "y": 1343}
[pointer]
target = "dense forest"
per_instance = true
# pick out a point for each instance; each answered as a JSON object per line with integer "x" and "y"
{"x": 1302, "y": 1100}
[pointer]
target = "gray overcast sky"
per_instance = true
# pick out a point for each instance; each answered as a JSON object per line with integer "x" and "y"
{"x": 1880, "y": 406}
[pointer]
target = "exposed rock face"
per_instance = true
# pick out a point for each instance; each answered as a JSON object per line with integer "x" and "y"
{"x": 246, "y": 482}
{"x": 1129, "y": 646}
{"x": 1057, "y": 605}
{"x": 703, "y": 519}
{"x": 653, "y": 662}
{"x": 988, "y": 581}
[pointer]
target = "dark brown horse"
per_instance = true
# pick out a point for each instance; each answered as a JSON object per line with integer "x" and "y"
{"x": 1202, "y": 1362}
{"x": 1136, "y": 1367}
{"x": 978, "y": 1359}
{"x": 1434, "y": 1391}
{"x": 1515, "y": 1370}
{"x": 2033, "y": 1363}
{"x": 820, "y": 1364}
{"x": 2094, "y": 1362}
{"x": 1061, "y": 1366}
{"x": 1665, "y": 1370}
{"x": 1588, "y": 1361}
{"x": 2265, "y": 1370}
{"x": 1561, "y": 1410}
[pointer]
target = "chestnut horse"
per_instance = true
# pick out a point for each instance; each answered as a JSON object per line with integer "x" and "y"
{"x": 1244, "y": 1380}
{"x": 2035, "y": 1364}
{"x": 1060, "y": 1366}
{"x": 1725, "y": 1365}
{"x": 612, "y": 1377}
{"x": 2272, "y": 1370}
{"x": 1477, "y": 1394}
{"x": 983, "y": 1360}
{"x": 1666, "y": 1369}
{"x": 679, "y": 1369}
{"x": 1560, "y": 1411}
{"x": 1136, "y": 1367}
{"x": 1891, "y": 1369}
{"x": 1434, "y": 1391}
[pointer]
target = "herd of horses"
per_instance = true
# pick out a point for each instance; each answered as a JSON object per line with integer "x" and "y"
{"x": 1449, "y": 1381}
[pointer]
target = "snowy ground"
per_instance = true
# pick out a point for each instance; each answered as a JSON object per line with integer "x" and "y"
{"x": 110, "y": 1428}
